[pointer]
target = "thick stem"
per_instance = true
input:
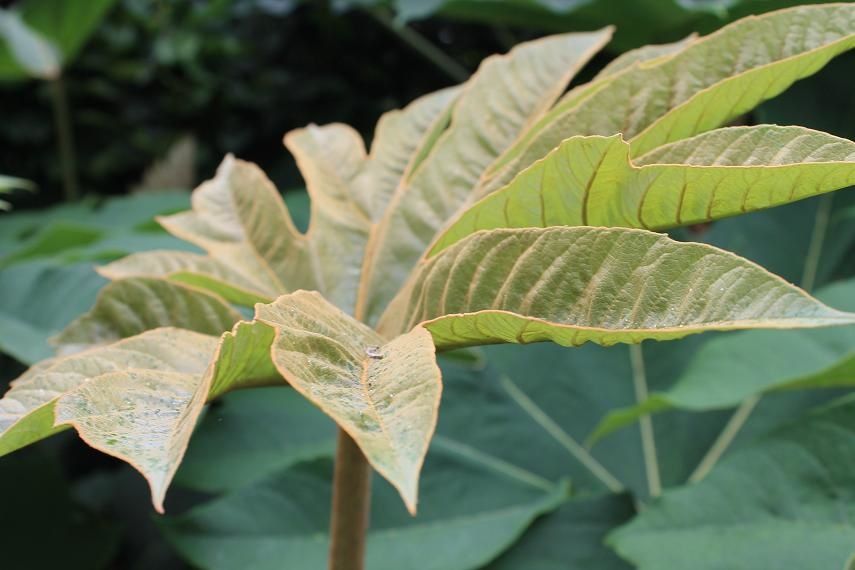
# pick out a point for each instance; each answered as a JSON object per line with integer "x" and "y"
{"x": 350, "y": 506}
{"x": 62, "y": 120}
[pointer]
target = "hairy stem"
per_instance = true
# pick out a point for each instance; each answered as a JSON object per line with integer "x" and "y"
{"x": 350, "y": 506}
{"x": 65, "y": 138}
{"x": 424, "y": 47}
{"x": 648, "y": 440}
{"x": 743, "y": 412}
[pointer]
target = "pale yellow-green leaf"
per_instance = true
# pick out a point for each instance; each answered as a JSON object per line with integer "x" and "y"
{"x": 201, "y": 271}
{"x": 27, "y": 409}
{"x": 591, "y": 181}
{"x": 713, "y": 80}
{"x": 385, "y": 395}
{"x": 401, "y": 142}
{"x": 143, "y": 417}
{"x": 646, "y": 56}
{"x": 239, "y": 218}
{"x": 131, "y": 306}
{"x": 505, "y": 96}
{"x": 604, "y": 285}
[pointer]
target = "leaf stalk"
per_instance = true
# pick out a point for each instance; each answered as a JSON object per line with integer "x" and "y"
{"x": 350, "y": 506}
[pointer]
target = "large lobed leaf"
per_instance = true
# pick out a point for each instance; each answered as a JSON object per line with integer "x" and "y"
{"x": 605, "y": 285}
{"x": 710, "y": 82}
{"x": 592, "y": 181}
{"x": 505, "y": 95}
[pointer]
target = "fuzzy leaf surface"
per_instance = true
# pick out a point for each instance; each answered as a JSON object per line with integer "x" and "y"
{"x": 505, "y": 95}
{"x": 592, "y": 181}
{"x": 712, "y": 81}
{"x": 384, "y": 395}
{"x": 604, "y": 285}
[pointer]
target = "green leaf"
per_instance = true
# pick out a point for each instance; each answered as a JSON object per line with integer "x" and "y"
{"x": 592, "y": 181}
{"x": 192, "y": 269}
{"x": 282, "y": 521}
{"x": 495, "y": 106}
{"x": 384, "y": 395}
{"x": 37, "y": 55}
{"x": 131, "y": 306}
{"x": 710, "y": 82}
{"x": 729, "y": 369}
{"x": 9, "y": 183}
{"x": 604, "y": 285}
{"x": 571, "y": 537}
{"x": 27, "y": 409}
{"x": 40, "y": 299}
{"x": 248, "y": 435}
{"x": 799, "y": 517}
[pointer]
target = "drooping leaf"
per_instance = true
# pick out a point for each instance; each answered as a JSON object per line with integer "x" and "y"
{"x": 27, "y": 409}
{"x": 592, "y": 181}
{"x": 713, "y": 80}
{"x": 384, "y": 395}
{"x": 131, "y": 306}
{"x": 196, "y": 270}
{"x": 799, "y": 517}
{"x": 283, "y": 521}
{"x": 502, "y": 98}
{"x": 604, "y": 285}
{"x": 729, "y": 369}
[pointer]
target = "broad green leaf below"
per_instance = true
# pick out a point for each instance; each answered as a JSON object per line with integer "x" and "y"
{"x": 592, "y": 181}
{"x": 786, "y": 501}
{"x": 282, "y": 521}
{"x": 604, "y": 285}
{"x": 729, "y": 369}
{"x": 384, "y": 395}
{"x": 712, "y": 81}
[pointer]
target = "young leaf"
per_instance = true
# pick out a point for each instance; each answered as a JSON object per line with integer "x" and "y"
{"x": 604, "y": 285}
{"x": 385, "y": 395}
{"x": 131, "y": 306}
{"x": 799, "y": 516}
{"x": 713, "y": 80}
{"x": 592, "y": 181}
{"x": 196, "y": 270}
{"x": 502, "y": 98}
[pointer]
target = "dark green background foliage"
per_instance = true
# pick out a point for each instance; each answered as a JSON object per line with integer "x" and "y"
{"x": 236, "y": 75}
